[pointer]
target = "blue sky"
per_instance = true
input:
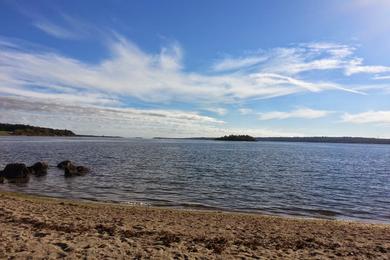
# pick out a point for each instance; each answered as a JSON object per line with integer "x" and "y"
{"x": 197, "y": 68}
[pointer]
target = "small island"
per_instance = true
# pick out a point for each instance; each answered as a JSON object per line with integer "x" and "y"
{"x": 245, "y": 138}
{"x": 28, "y": 130}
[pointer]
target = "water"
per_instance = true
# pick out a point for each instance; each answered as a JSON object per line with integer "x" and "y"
{"x": 340, "y": 181}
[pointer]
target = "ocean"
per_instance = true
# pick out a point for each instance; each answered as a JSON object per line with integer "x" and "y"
{"x": 324, "y": 180}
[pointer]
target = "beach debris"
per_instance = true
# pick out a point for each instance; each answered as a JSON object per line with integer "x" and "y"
{"x": 64, "y": 246}
{"x": 15, "y": 170}
{"x": 39, "y": 168}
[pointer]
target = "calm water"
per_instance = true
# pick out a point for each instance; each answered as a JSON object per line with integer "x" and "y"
{"x": 348, "y": 181}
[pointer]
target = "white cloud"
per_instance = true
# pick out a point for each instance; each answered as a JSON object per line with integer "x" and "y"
{"x": 55, "y": 30}
{"x": 245, "y": 111}
{"x": 379, "y": 117}
{"x": 307, "y": 57}
{"x": 382, "y": 77}
{"x": 295, "y": 60}
{"x": 217, "y": 110}
{"x": 305, "y": 113}
{"x": 356, "y": 66}
{"x": 65, "y": 26}
{"x": 127, "y": 122}
{"x": 238, "y": 63}
{"x": 149, "y": 77}
{"x": 106, "y": 120}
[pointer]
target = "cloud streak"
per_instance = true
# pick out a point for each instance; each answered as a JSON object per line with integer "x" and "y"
{"x": 148, "y": 77}
{"x": 55, "y": 30}
{"x": 306, "y": 113}
{"x": 127, "y": 122}
{"x": 376, "y": 117}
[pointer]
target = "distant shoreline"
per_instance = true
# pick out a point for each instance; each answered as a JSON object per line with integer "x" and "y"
{"x": 62, "y": 136}
{"x": 314, "y": 139}
{"x": 29, "y": 130}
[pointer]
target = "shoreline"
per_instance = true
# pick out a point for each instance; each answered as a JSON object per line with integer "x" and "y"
{"x": 54, "y": 227}
{"x": 200, "y": 208}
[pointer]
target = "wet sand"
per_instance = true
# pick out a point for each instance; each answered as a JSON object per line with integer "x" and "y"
{"x": 49, "y": 228}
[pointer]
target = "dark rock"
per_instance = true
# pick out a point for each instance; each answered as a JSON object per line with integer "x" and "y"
{"x": 15, "y": 170}
{"x": 64, "y": 164}
{"x": 82, "y": 169}
{"x": 72, "y": 170}
{"x": 63, "y": 246}
{"x": 1, "y": 177}
{"x": 39, "y": 168}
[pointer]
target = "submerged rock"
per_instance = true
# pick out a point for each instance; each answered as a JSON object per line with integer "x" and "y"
{"x": 83, "y": 169}
{"x": 72, "y": 170}
{"x": 15, "y": 170}
{"x": 39, "y": 168}
{"x": 64, "y": 164}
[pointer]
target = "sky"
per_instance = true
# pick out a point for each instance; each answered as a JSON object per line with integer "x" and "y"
{"x": 197, "y": 68}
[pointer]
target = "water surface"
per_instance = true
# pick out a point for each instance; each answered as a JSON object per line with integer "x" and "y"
{"x": 342, "y": 181}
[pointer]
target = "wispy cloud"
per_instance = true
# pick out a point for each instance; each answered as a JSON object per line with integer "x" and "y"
{"x": 149, "y": 77}
{"x": 238, "y": 63}
{"x": 217, "y": 110}
{"x": 382, "y": 77}
{"x": 378, "y": 117}
{"x": 292, "y": 61}
{"x": 306, "y": 113}
{"x": 120, "y": 121}
{"x": 86, "y": 118}
{"x": 356, "y": 66}
{"x": 245, "y": 111}
{"x": 55, "y": 30}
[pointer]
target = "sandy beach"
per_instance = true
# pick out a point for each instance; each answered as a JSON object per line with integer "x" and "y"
{"x": 49, "y": 228}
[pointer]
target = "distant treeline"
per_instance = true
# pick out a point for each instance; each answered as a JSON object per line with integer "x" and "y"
{"x": 247, "y": 138}
{"x": 315, "y": 139}
{"x": 324, "y": 139}
{"x": 19, "y": 129}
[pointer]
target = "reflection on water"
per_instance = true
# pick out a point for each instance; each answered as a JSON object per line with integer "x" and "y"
{"x": 349, "y": 181}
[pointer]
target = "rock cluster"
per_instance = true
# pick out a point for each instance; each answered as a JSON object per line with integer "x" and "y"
{"x": 39, "y": 168}
{"x": 19, "y": 172}
{"x": 71, "y": 170}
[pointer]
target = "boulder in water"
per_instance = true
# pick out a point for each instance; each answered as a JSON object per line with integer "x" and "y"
{"x": 39, "y": 168}
{"x": 1, "y": 177}
{"x": 83, "y": 169}
{"x": 72, "y": 170}
{"x": 64, "y": 164}
{"x": 15, "y": 170}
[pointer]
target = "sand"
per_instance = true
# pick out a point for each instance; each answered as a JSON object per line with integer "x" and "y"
{"x": 44, "y": 228}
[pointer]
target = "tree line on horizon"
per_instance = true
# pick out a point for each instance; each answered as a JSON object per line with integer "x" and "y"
{"x": 20, "y": 129}
{"x": 313, "y": 139}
